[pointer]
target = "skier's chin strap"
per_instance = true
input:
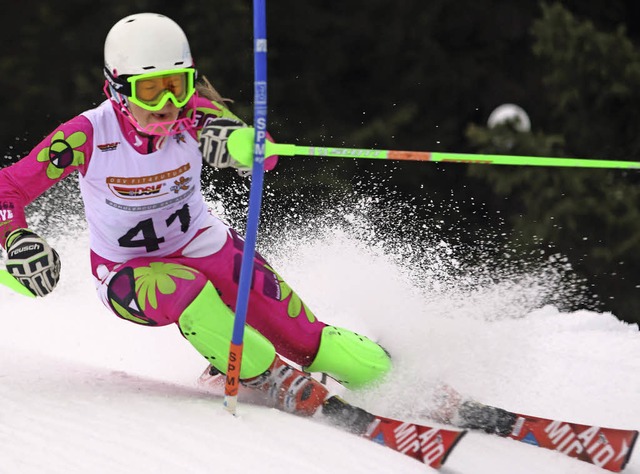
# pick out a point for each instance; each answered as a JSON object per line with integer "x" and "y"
{"x": 207, "y": 323}
{"x": 354, "y": 360}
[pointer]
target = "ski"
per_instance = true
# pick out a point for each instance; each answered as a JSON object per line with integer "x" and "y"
{"x": 427, "y": 444}
{"x": 608, "y": 448}
{"x": 424, "y": 443}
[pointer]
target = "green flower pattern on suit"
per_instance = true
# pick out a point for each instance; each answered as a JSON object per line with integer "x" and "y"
{"x": 61, "y": 153}
{"x": 295, "y": 303}
{"x": 159, "y": 277}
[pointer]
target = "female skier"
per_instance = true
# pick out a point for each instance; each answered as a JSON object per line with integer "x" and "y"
{"x": 158, "y": 254}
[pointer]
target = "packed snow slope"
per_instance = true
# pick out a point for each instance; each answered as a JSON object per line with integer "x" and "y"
{"x": 82, "y": 391}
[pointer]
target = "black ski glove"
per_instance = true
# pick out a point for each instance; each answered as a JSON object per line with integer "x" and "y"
{"x": 32, "y": 261}
{"x": 213, "y": 144}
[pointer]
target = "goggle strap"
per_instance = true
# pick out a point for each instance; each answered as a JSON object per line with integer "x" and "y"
{"x": 119, "y": 84}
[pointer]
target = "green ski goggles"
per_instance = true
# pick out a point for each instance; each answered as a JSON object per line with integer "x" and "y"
{"x": 151, "y": 91}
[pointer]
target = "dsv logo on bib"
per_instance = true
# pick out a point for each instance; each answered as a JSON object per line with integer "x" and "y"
{"x": 145, "y": 187}
{"x": 137, "y": 191}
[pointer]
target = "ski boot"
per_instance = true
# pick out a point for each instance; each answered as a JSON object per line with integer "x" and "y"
{"x": 281, "y": 386}
{"x": 451, "y": 408}
{"x": 289, "y": 389}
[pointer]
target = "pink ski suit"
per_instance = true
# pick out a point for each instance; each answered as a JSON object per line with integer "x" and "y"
{"x": 154, "y": 242}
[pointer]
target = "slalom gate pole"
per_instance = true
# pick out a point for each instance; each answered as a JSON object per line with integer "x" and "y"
{"x": 232, "y": 381}
{"x": 240, "y": 141}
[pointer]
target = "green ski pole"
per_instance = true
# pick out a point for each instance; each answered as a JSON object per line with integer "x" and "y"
{"x": 8, "y": 280}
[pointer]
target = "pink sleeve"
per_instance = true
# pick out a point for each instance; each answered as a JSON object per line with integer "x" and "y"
{"x": 66, "y": 149}
{"x": 272, "y": 160}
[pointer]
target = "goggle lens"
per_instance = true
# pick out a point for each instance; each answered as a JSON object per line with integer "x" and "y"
{"x": 152, "y": 91}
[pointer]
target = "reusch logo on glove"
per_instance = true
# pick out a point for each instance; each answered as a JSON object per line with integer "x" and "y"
{"x": 33, "y": 249}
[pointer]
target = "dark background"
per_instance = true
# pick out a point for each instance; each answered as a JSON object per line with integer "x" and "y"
{"x": 410, "y": 75}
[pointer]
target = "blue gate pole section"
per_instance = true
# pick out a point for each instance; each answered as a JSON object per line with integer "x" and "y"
{"x": 255, "y": 203}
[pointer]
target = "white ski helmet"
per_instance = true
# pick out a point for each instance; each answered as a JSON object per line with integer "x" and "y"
{"x": 146, "y": 42}
{"x": 140, "y": 44}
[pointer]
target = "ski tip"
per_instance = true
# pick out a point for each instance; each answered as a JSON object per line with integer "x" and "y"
{"x": 632, "y": 444}
{"x": 461, "y": 435}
